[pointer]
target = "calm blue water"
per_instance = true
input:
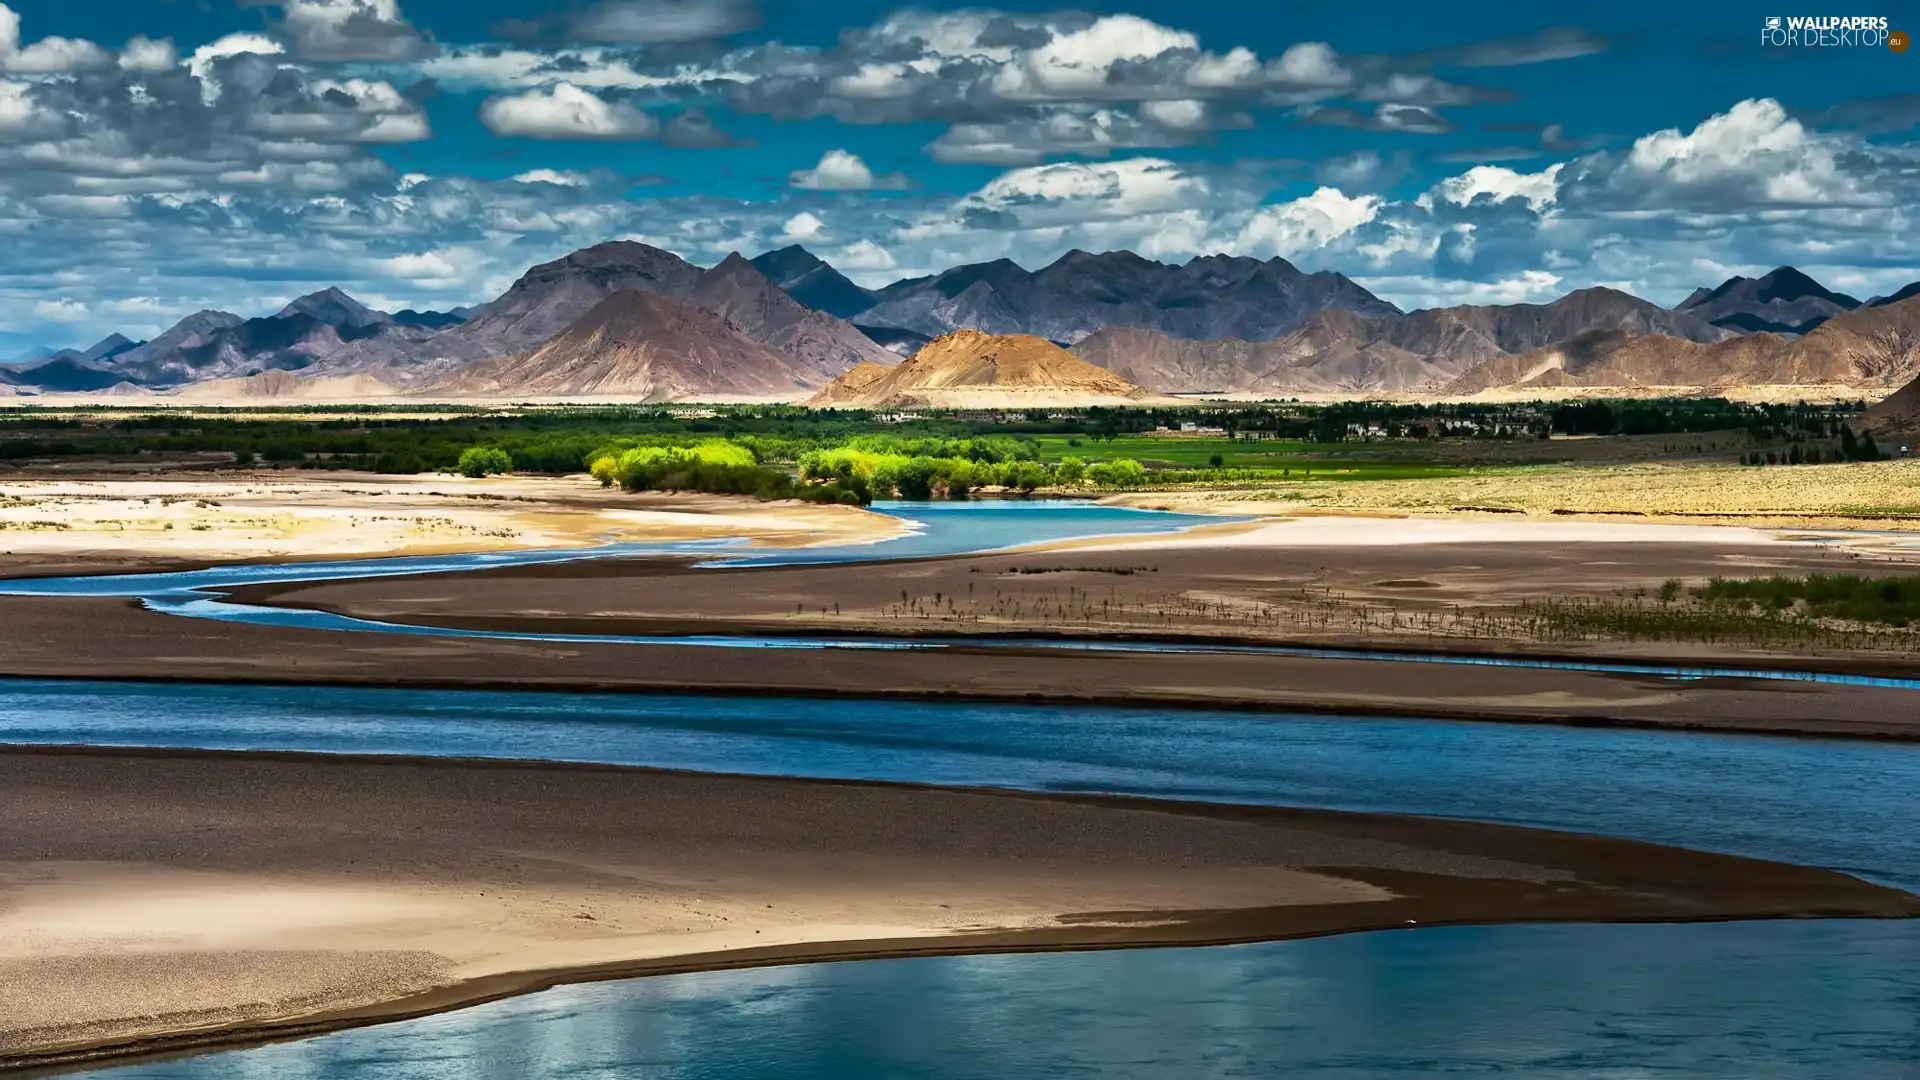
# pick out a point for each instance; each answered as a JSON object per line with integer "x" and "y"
{"x": 1815, "y": 999}
{"x": 1848, "y": 805}
{"x": 1741, "y": 1001}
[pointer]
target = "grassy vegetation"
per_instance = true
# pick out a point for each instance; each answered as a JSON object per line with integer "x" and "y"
{"x": 1282, "y": 450}
{"x": 1215, "y": 460}
{"x": 1672, "y": 615}
{"x": 1889, "y": 601}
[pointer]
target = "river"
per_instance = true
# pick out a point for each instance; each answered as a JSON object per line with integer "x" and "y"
{"x": 1791, "y": 999}
{"x": 931, "y": 530}
{"x": 1794, "y": 999}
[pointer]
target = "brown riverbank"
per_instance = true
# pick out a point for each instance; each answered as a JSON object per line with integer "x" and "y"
{"x": 109, "y": 638}
{"x": 152, "y": 901}
{"x": 1436, "y": 587}
{"x": 1295, "y": 586}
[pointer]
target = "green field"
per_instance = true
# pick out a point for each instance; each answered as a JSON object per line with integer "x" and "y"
{"x": 1285, "y": 458}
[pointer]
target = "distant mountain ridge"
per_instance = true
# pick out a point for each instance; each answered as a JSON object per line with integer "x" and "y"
{"x": 551, "y": 297}
{"x": 1783, "y": 301}
{"x": 1219, "y": 323}
{"x": 219, "y": 345}
{"x": 1873, "y": 348}
{"x": 812, "y": 281}
{"x": 1344, "y": 352}
{"x": 1079, "y": 294}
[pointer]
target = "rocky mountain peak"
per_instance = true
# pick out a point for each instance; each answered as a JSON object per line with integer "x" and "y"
{"x": 335, "y": 308}
{"x": 1783, "y": 301}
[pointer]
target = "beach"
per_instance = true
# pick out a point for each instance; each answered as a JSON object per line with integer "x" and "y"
{"x": 101, "y": 522}
{"x": 153, "y": 901}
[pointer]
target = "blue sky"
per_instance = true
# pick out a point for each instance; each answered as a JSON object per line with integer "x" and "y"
{"x": 159, "y": 156}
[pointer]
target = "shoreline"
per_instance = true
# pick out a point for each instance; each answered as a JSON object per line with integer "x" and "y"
{"x": 96, "y": 639}
{"x": 1176, "y": 703}
{"x": 267, "y": 594}
{"x": 484, "y": 991}
{"x": 107, "y": 524}
{"x": 1509, "y": 873}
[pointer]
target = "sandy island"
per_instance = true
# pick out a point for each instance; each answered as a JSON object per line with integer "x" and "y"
{"x": 1352, "y": 581}
{"x": 1276, "y": 581}
{"x": 102, "y": 523}
{"x": 154, "y": 901}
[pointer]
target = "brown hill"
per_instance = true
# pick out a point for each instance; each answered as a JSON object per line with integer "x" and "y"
{"x": 848, "y": 387}
{"x": 284, "y": 385}
{"x": 969, "y": 369}
{"x": 1899, "y": 412}
{"x": 1340, "y": 351}
{"x": 641, "y": 344}
{"x": 1868, "y": 350}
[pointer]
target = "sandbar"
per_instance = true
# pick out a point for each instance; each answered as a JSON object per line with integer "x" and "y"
{"x": 102, "y": 523}
{"x": 154, "y": 901}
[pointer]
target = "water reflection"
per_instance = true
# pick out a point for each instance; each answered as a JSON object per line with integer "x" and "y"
{"x": 1847, "y": 805}
{"x": 1753, "y": 1001}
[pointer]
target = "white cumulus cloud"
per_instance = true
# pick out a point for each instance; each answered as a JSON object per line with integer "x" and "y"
{"x": 1080, "y": 61}
{"x": 804, "y": 226}
{"x": 1306, "y": 223}
{"x": 1495, "y": 181}
{"x": 60, "y": 311}
{"x": 558, "y": 177}
{"x": 566, "y": 112}
{"x": 1752, "y": 153}
{"x": 840, "y": 170}
{"x": 145, "y": 54}
{"x": 48, "y": 56}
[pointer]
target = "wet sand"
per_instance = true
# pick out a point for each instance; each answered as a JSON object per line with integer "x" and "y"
{"x": 154, "y": 901}
{"x": 1247, "y": 580}
{"x": 105, "y": 638}
{"x": 110, "y": 638}
{"x": 1194, "y": 588}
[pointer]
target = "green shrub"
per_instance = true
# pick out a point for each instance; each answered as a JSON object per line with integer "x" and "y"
{"x": 1119, "y": 473}
{"x": 478, "y": 461}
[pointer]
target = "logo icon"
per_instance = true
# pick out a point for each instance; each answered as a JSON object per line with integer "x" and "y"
{"x": 1773, "y": 23}
{"x": 1898, "y": 41}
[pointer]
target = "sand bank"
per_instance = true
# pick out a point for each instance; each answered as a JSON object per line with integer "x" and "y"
{"x": 153, "y": 900}
{"x": 1290, "y": 582}
{"x": 59, "y": 525}
{"x": 106, "y": 638}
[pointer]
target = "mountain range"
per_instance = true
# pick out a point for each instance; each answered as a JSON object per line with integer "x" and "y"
{"x": 1873, "y": 348}
{"x": 786, "y": 323}
{"x": 643, "y": 344}
{"x": 1339, "y": 351}
{"x": 1079, "y": 294}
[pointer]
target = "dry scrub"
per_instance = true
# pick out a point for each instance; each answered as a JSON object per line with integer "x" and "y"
{"x": 1882, "y": 494}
